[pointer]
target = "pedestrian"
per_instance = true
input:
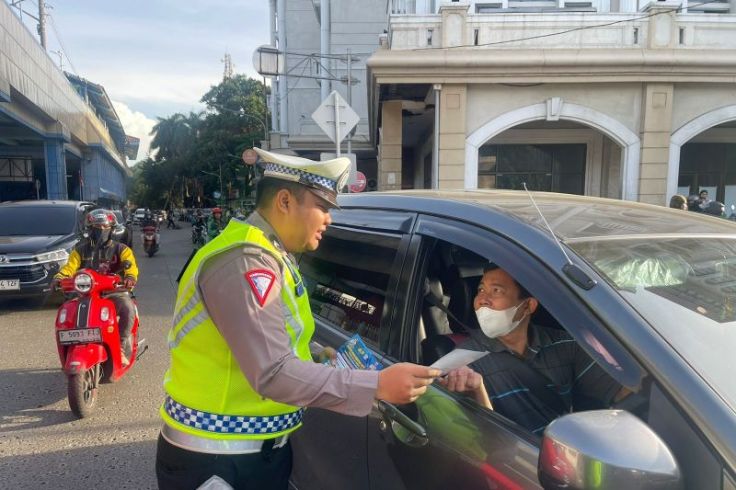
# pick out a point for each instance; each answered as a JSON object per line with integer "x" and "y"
{"x": 715, "y": 208}
{"x": 703, "y": 200}
{"x": 678, "y": 201}
{"x": 241, "y": 369}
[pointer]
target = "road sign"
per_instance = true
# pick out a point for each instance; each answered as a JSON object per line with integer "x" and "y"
{"x": 360, "y": 180}
{"x": 335, "y": 117}
{"x": 250, "y": 156}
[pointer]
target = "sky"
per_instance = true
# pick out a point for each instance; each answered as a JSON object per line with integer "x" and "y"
{"x": 154, "y": 57}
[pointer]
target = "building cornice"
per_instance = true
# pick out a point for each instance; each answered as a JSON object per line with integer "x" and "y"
{"x": 464, "y": 65}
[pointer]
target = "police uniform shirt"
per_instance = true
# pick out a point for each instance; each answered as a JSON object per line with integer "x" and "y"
{"x": 563, "y": 366}
{"x": 258, "y": 339}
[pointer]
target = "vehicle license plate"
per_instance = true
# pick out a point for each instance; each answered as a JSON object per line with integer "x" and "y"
{"x": 9, "y": 284}
{"x": 80, "y": 335}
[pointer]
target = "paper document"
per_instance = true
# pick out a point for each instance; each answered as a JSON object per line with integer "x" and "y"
{"x": 354, "y": 354}
{"x": 457, "y": 359}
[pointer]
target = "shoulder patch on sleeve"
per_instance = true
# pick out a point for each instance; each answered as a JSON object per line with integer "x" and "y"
{"x": 261, "y": 282}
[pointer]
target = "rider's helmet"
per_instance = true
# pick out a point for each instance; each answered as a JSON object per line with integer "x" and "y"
{"x": 217, "y": 211}
{"x": 99, "y": 225}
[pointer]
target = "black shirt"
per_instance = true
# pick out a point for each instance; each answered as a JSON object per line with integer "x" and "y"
{"x": 575, "y": 380}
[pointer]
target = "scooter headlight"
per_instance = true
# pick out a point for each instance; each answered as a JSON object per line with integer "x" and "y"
{"x": 83, "y": 283}
{"x": 104, "y": 313}
{"x": 62, "y": 315}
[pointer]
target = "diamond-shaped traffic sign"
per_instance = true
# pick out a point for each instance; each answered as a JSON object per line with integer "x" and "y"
{"x": 334, "y": 113}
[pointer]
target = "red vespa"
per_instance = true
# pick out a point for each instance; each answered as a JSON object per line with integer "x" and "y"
{"x": 87, "y": 337}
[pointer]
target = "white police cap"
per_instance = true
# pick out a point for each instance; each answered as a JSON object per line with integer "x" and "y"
{"x": 325, "y": 178}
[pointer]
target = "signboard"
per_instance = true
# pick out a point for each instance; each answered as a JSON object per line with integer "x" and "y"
{"x": 250, "y": 156}
{"x": 334, "y": 113}
{"x": 359, "y": 185}
{"x": 131, "y": 147}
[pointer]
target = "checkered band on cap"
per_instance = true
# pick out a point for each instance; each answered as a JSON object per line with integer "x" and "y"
{"x": 304, "y": 177}
{"x": 231, "y": 424}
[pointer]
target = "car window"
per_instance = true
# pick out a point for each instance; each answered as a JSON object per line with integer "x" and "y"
{"x": 37, "y": 220}
{"x": 348, "y": 277}
{"x": 686, "y": 288}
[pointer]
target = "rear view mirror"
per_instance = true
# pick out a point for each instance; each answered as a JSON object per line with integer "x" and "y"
{"x": 118, "y": 232}
{"x": 605, "y": 449}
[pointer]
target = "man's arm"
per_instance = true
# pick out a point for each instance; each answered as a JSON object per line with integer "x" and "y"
{"x": 71, "y": 266}
{"x": 132, "y": 269}
{"x": 593, "y": 388}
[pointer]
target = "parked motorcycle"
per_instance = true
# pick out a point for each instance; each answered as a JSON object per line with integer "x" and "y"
{"x": 151, "y": 238}
{"x": 88, "y": 339}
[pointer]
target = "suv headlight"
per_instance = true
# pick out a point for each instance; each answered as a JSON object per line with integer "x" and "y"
{"x": 83, "y": 282}
{"x": 53, "y": 256}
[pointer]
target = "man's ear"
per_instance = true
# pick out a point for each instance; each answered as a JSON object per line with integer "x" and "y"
{"x": 283, "y": 200}
{"x": 532, "y": 304}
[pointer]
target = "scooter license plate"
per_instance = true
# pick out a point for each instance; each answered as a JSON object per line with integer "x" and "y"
{"x": 80, "y": 335}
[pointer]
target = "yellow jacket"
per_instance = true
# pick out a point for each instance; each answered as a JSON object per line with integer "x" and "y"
{"x": 115, "y": 253}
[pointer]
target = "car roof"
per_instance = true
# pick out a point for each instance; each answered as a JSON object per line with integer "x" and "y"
{"x": 571, "y": 217}
{"x": 43, "y": 202}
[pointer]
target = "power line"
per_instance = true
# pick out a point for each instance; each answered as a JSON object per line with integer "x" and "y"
{"x": 61, "y": 43}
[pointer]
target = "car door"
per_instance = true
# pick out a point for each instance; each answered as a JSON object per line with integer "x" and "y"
{"x": 352, "y": 280}
{"x": 445, "y": 440}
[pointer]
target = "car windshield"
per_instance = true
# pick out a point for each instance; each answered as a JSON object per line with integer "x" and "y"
{"x": 685, "y": 287}
{"x": 37, "y": 220}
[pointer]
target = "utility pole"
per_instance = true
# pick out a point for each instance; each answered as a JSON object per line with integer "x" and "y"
{"x": 350, "y": 97}
{"x": 42, "y": 22}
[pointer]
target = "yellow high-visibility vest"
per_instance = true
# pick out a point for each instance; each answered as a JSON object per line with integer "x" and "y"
{"x": 207, "y": 394}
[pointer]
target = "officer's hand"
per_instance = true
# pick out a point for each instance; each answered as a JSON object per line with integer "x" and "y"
{"x": 128, "y": 283}
{"x": 327, "y": 354}
{"x": 404, "y": 382}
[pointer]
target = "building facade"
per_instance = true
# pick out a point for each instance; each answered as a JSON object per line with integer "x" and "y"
{"x": 316, "y": 37}
{"x": 603, "y": 98}
{"x": 59, "y": 137}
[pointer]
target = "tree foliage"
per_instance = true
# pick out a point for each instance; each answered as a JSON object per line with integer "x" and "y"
{"x": 192, "y": 151}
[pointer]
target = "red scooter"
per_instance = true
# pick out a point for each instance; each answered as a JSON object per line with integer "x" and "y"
{"x": 87, "y": 337}
{"x": 150, "y": 239}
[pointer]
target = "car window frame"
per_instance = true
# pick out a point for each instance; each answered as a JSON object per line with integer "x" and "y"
{"x": 338, "y": 335}
{"x": 526, "y": 268}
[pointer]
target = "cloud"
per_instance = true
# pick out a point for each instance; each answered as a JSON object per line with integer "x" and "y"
{"x": 136, "y": 124}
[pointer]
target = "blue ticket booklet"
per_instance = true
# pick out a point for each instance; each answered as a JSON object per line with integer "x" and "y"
{"x": 354, "y": 354}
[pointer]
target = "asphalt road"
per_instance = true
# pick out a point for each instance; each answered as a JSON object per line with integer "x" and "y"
{"x": 42, "y": 444}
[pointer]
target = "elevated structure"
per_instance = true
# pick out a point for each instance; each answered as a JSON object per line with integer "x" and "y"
{"x": 59, "y": 137}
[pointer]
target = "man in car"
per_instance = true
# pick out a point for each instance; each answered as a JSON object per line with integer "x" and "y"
{"x": 241, "y": 368}
{"x": 100, "y": 252}
{"x": 532, "y": 374}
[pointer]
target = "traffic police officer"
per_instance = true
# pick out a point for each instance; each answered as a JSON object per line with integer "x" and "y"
{"x": 241, "y": 368}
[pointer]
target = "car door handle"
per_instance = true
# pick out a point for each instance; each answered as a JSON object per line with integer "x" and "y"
{"x": 405, "y": 429}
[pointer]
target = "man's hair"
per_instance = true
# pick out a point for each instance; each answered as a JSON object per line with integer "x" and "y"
{"x": 677, "y": 201}
{"x": 268, "y": 187}
{"x": 523, "y": 293}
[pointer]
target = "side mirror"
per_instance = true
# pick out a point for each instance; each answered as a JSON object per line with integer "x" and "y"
{"x": 605, "y": 449}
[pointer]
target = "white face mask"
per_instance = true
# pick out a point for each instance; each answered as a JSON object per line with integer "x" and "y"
{"x": 497, "y": 323}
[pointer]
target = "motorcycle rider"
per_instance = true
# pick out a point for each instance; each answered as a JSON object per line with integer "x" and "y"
{"x": 214, "y": 223}
{"x": 100, "y": 252}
